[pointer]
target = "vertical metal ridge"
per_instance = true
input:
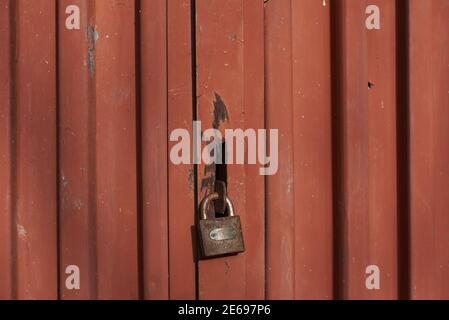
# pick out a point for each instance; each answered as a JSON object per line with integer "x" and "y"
{"x": 7, "y": 151}
{"x": 155, "y": 197}
{"x": 253, "y": 102}
{"x": 116, "y": 176}
{"x": 76, "y": 113}
{"x": 92, "y": 156}
{"x": 293, "y": 185}
{"x": 181, "y": 191}
{"x": 167, "y": 187}
{"x": 429, "y": 156}
{"x": 13, "y": 74}
{"x": 36, "y": 148}
{"x": 266, "y": 178}
{"x": 382, "y": 184}
{"x": 312, "y": 148}
{"x": 280, "y": 188}
{"x": 58, "y": 140}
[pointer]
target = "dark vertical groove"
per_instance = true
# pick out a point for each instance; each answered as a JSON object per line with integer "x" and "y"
{"x": 337, "y": 150}
{"x": 195, "y": 118}
{"x": 221, "y": 169}
{"x": 13, "y": 9}
{"x": 139, "y": 168}
{"x": 58, "y": 156}
{"x": 292, "y": 124}
{"x": 167, "y": 168}
{"x": 265, "y": 111}
{"x": 403, "y": 147}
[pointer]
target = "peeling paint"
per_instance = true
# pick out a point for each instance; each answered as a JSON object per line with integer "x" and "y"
{"x": 191, "y": 180}
{"x": 92, "y": 37}
{"x": 221, "y": 114}
{"x": 21, "y": 231}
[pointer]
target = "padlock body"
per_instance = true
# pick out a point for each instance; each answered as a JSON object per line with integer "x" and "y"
{"x": 221, "y": 236}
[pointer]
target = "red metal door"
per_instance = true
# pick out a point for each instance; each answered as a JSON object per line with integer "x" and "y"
{"x": 91, "y": 92}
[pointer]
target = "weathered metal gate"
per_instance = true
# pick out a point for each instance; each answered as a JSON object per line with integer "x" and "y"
{"x": 86, "y": 114}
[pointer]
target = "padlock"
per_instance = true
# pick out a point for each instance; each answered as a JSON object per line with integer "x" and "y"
{"x": 220, "y": 236}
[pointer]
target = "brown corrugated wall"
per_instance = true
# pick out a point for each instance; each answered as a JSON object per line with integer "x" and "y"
{"x": 85, "y": 174}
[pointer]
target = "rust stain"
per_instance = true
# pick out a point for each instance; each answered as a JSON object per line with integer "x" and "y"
{"x": 221, "y": 115}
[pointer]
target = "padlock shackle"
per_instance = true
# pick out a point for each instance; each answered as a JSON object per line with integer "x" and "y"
{"x": 212, "y": 197}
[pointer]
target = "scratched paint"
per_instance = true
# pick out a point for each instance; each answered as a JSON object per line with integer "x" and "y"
{"x": 92, "y": 37}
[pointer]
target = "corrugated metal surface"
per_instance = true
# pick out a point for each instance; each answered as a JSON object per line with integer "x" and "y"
{"x": 85, "y": 177}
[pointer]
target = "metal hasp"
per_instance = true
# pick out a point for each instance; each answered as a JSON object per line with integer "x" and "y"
{"x": 220, "y": 236}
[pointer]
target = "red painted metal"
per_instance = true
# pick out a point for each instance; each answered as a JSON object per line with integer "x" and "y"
{"x": 253, "y": 102}
{"x": 181, "y": 178}
{"x": 312, "y": 108}
{"x": 153, "y": 95}
{"x": 77, "y": 207}
{"x": 86, "y": 178}
{"x": 366, "y": 151}
{"x": 6, "y": 159}
{"x": 280, "y": 187}
{"x": 227, "y": 98}
{"x": 429, "y": 155}
{"x": 115, "y": 159}
{"x": 33, "y": 137}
